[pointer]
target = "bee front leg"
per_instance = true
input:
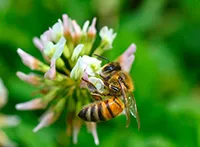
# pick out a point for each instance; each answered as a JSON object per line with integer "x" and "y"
{"x": 93, "y": 90}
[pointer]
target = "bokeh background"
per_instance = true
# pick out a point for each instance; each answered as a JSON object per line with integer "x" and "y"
{"x": 166, "y": 71}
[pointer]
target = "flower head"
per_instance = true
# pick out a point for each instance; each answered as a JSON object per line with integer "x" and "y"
{"x": 66, "y": 48}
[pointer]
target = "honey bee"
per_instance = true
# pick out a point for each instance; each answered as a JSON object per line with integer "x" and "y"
{"x": 118, "y": 96}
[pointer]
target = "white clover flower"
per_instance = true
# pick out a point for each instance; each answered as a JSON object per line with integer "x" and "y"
{"x": 86, "y": 64}
{"x": 66, "y": 48}
{"x": 93, "y": 65}
{"x": 107, "y": 35}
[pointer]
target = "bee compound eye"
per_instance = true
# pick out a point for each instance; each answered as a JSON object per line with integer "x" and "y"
{"x": 108, "y": 69}
{"x": 114, "y": 88}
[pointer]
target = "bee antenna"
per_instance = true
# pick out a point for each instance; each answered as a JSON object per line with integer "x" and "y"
{"x": 101, "y": 57}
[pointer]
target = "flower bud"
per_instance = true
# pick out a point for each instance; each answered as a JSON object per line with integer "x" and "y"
{"x": 51, "y": 73}
{"x": 92, "y": 29}
{"x": 127, "y": 58}
{"x": 30, "y": 78}
{"x": 77, "y": 29}
{"x": 34, "y": 104}
{"x": 51, "y": 115}
{"x": 107, "y": 36}
{"x": 76, "y": 128}
{"x": 65, "y": 24}
{"x": 91, "y": 126}
{"x": 28, "y": 60}
{"x": 47, "y": 119}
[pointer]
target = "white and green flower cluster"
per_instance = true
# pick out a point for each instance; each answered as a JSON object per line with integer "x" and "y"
{"x": 66, "y": 48}
{"x": 6, "y": 120}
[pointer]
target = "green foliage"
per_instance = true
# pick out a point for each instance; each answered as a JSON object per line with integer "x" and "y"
{"x": 166, "y": 70}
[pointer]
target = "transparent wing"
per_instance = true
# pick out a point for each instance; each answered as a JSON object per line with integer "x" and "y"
{"x": 125, "y": 98}
{"x": 133, "y": 107}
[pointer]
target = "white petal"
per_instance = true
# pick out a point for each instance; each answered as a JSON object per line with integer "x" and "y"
{"x": 57, "y": 30}
{"x": 46, "y": 121}
{"x": 76, "y": 129}
{"x": 37, "y": 42}
{"x": 77, "y": 52}
{"x": 29, "y": 78}
{"x": 49, "y": 48}
{"x": 27, "y": 59}
{"x": 85, "y": 26}
{"x": 76, "y": 27}
{"x": 92, "y": 30}
{"x": 92, "y": 128}
{"x": 78, "y": 70}
{"x": 103, "y": 32}
{"x": 46, "y": 37}
{"x": 51, "y": 73}
{"x": 65, "y": 22}
{"x": 31, "y": 105}
{"x": 59, "y": 47}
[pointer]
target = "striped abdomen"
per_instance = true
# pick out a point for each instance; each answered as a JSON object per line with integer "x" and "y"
{"x": 102, "y": 110}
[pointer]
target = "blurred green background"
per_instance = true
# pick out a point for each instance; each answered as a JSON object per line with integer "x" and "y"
{"x": 166, "y": 71}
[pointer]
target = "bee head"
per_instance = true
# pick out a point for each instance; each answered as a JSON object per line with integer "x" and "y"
{"x": 111, "y": 68}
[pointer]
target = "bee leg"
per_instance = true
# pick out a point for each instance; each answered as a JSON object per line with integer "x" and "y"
{"x": 90, "y": 86}
{"x": 105, "y": 79}
{"x": 93, "y": 90}
{"x": 96, "y": 97}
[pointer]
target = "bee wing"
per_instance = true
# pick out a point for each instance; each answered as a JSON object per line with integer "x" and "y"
{"x": 133, "y": 107}
{"x": 124, "y": 89}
